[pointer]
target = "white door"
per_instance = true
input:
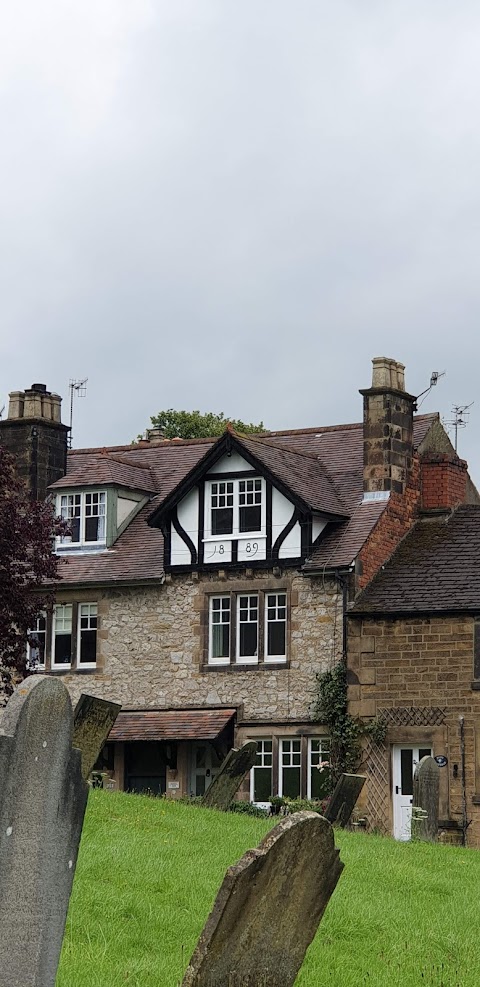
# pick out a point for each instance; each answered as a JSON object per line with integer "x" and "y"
{"x": 405, "y": 759}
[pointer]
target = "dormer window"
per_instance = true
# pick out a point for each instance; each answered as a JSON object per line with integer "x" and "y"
{"x": 86, "y": 516}
{"x": 235, "y": 507}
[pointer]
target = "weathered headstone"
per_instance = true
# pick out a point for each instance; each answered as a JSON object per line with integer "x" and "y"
{"x": 344, "y": 798}
{"x": 92, "y": 721}
{"x": 268, "y": 908}
{"x": 42, "y": 804}
{"x": 230, "y": 775}
{"x": 426, "y": 784}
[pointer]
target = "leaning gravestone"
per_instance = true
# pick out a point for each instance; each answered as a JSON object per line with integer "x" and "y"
{"x": 92, "y": 721}
{"x": 426, "y": 784}
{"x": 268, "y": 908}
{"x": 231, "y": 773}
{"x": 42, "y": 804}
{"x": 344, "y": 798}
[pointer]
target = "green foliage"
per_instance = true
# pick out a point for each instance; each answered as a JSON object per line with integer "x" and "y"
{"x": 305, "y": 805}
{"x": 248, "y": 809}
{"x": 345, "y": 731}
{"x": 195, "y": 425}
{"x": 331, "y": 710}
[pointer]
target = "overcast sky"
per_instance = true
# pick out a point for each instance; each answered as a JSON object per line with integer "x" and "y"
{"x": 234, "y": 206}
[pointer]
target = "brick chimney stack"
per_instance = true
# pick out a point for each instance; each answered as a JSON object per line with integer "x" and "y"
{"x": 34, "y": 435}
{"x": 387, "y": 428}
{"x": 443, "y": 479}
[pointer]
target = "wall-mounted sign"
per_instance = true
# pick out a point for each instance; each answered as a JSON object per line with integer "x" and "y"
{"x": 173, "y": 784}
{"x": 441, "y": 760}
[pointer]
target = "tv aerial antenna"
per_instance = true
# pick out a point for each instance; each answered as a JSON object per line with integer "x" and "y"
{"x": 461, "y": 413}
{"x": 434, "y": 379}
{"x": 78, "y": 388}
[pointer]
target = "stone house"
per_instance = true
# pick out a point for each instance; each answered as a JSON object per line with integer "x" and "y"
{"x": 414, "y": 660}
{"x": 205, "y": 583}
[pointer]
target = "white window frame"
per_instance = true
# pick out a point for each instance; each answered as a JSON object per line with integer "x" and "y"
{"x": 247, "y": 659}
{"x": 65, "y": 541}
{"x": 234, "y": 657}
{"x": 324, "y": 749}
{"x": 65, "y": 666}
{"x": 91, "y": 606}
{"x": 211, "y": 660}
{"x": 274, "y": 658}
{"x": 262, "y": 753}
{"x": 40, "y": 666}
{"x": 235, "y": 533}
{"x": 281, "y": 765}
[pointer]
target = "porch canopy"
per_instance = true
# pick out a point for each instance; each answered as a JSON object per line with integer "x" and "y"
{"x": 170, "y": 724}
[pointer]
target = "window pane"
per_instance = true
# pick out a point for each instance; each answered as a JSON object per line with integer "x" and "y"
{"x": 222, "y": 521}
{"x": 262, "y": 784}
{"x": 220, "y": 641}
{"x": 406, "y": 765}
{"x": 250, "y": 518}
{"x": 248, "y": 640}
{"x": 220, "y": 627}
{"x": 63, "y": 649}
{"x": 291, "y": 782}
{"x": 276, "y": 639}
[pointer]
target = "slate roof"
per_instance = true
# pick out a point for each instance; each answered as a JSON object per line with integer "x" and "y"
{"x": 178, "y": 724}
{"x": 435, "y": 569}
{"x": 322, "y": 466}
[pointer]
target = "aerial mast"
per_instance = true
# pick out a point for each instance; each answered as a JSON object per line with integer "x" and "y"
{"x": 78, "y": 387}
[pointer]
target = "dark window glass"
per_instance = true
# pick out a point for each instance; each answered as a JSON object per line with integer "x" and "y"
{"x": 250, "y": 518}
{"x": 74, "y": 523}
{"x": 262, "y": 787}
{"x": 424, "y": 752}
{"x": 291, "y": 782}
{"x": 88, "y": 647}
{"x": 91, "y": 529}
{"x": 63, "y": 649}
{"x": 276, "y": 638}
{"x": 222, "y": 521}
{"x": 406, "y": 766}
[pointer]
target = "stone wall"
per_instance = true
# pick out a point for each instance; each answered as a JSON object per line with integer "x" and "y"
{"x": 419, "y": 674}
{"x": 152, "y": 646}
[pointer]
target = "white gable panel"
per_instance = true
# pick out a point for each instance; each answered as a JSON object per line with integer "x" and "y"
{"x": 282, "y": 513}
{"x": 317, "y": 527}
{"x": 124, "y": 508}
{"x": 292, "y": 546}
{"x": 231, "y": 464}
{"x": 187, "y": 514}
{"x": 180, "y": 553}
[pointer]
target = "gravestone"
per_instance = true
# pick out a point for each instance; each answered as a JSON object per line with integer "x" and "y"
{"x": 426, "y": 784}
{"x": 344, "y": 798}
{"x": 231, "y": 773}
{"x": 268, "y": 908}
{"x": 92, "y": 721}
{"x": 42, "y": 803}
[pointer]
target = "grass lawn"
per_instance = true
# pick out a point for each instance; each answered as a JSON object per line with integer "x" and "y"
{"x": 148, "y": 871}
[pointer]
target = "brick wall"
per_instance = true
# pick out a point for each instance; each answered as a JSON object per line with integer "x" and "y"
{"x": 419, "y": 674}
{"x": 443, "y": 481}
{"x": 397, "y": 518}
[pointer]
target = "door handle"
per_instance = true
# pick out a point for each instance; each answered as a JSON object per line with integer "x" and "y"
{"x": 396, "y": 790}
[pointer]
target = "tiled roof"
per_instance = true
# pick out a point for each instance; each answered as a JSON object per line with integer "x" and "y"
{"x": 435, "y": 568}
{"x": 322, "y": 466}
{"x": 178, "y": 724}
{"x": 105, "y": 469}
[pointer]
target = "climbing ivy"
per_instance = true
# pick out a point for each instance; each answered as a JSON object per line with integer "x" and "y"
{"x": 331, "y": 709}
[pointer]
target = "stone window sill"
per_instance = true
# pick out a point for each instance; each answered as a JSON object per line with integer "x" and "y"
{"x": 261, "y": 667}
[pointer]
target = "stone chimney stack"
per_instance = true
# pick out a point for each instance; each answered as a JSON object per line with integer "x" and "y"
{"x": 387, "y": 429}
{"x": 34, "y": 435}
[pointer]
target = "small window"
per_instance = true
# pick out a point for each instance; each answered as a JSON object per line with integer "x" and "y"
{"x": 250, "y": 505}
{"x": 87, "y": 634}
{"x": 247, "y": 627}
{"x": 290, "y": 761}
{"x": 318, "y": 767}
{"x": 261, "y": 773}
{"x": 276, "y": 626}
{"x": 219, "y": 645}
{"x": 62, "y": 636}
{"x": 222, "y": 507}
{"x": 37, "y": 642}
{"x": 85, "y": 514}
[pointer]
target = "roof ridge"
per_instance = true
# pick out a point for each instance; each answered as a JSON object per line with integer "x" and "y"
{"x": 126, "y": 462}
